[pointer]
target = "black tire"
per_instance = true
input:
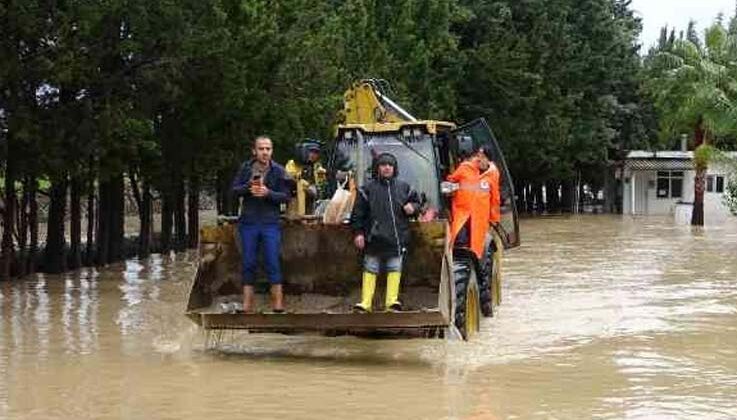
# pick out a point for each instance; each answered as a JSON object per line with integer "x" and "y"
{"x": 464, "y": 276}
{"x": 485, "y": 279}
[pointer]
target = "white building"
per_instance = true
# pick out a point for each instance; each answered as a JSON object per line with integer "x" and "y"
{"x": 662, "y": 183}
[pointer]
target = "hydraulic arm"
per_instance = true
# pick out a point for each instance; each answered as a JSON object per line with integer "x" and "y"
{"x": 366, "y": 102}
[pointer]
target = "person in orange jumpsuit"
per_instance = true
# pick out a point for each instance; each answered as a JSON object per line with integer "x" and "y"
{"x": 476, "y": 202}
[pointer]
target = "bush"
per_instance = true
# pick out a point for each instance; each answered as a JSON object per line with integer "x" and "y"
{"x": 730, "y": 194}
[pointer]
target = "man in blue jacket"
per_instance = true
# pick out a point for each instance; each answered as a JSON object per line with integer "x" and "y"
{"x": 263, "y": 185}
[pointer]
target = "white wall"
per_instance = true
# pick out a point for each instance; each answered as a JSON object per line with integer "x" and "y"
{"x": 646, "y": 200}
{"x": 715, "y": 211}
{"x": 639, "y": 181}
{"x": 667, "y": 206}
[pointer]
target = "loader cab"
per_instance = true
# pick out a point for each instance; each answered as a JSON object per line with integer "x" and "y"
{"x": 425, "y": 152}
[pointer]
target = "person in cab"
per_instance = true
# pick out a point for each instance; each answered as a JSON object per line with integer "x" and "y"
{"x": 308, "y": 177}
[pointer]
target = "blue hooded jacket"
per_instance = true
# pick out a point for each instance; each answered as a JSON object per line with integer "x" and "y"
{"x": 261, "y": 209}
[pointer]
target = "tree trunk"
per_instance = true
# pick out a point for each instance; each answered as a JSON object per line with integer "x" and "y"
{"x": 103, "y": 223}
{"x": 167, "y": 213}
{"x": 697, "y": 215}
{"x": 551, "y": 196}
{"x": 519, "y": 197}
{"x": 227, "y": 202}
{"x": 567, "y": 195}
{"x": 8, "y": 251}
{"x": 117, "y": 219}
{"x": 699, "y": 133}
{"x": 180, "y": 221}
{"x": 22, "y": 259}
{"x": 580, "y": 195}
{"x": 610, "y": 192}
{"x": 144, "y": 214}
{"x": 90, "y": 251}
{"x": 537, "y": 191}
{"x": 75, "y": 225}
{"x": 32, "y": 224}
{"x": 142, "y": 195}
{"x": 55, "y": 252}
{"x": 193, "y": 211}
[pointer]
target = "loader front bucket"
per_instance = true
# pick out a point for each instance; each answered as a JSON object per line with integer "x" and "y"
{"x": 322, "y": 280}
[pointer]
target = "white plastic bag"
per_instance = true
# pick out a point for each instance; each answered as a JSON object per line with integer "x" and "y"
{"x": 339, "y": 206}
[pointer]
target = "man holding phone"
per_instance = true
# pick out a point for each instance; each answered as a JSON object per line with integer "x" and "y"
{"x": 263, "y": 185}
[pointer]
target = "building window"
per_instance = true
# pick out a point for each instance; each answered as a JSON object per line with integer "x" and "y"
{"x": 715, "y": 183}
{"x": 670, "y": 184}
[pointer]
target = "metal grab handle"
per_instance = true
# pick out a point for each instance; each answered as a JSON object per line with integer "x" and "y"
{"x": 448, "y": 188}
{"x": 224, "y": 219}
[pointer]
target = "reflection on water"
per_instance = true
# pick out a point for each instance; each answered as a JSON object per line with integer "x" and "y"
{"x": 603, "y": 317}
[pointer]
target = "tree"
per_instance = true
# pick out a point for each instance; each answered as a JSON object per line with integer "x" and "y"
{"x": 571, "y": 67}
{"x": 162, "y": 98}
{"x": 695, "y": 88}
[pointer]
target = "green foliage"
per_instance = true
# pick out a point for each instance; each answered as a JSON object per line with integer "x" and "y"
{"x": 703, "y": 155}
{"x": 730, "y": 194}
{"x": 560, "y": 83}
{"x": 173, "y": 90}
{"x": 694, "y": 86}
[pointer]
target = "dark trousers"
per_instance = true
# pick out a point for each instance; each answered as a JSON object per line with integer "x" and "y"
{"x": 266, "y": 237}
{"x": 463, "y": 238}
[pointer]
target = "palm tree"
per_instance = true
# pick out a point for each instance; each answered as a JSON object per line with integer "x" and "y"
{"x": 694, "y": 86}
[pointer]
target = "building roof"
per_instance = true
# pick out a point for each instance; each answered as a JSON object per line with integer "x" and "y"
{"x": 662, "y": 154}
{"x": 659, "y": 164}
{"x": 663, "y": 160}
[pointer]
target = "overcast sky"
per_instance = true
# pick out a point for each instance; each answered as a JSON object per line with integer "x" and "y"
{"x": 656, "y": 13}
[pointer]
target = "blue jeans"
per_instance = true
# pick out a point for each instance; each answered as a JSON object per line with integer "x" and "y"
{"x": 268, "y": 238}
{"x": 372, "y": 263}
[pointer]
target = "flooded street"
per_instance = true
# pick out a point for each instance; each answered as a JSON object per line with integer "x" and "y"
{"x": 603, "y": 317}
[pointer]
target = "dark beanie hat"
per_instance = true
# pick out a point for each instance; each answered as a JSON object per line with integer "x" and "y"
{"x": 385, "y": 159}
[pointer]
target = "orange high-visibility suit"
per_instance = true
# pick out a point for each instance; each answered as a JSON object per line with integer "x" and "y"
{"x": 476, "y": 202}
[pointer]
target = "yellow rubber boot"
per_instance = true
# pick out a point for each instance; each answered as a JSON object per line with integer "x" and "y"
{"x": 367, "y": 291}
{"x": 392, "y": 290}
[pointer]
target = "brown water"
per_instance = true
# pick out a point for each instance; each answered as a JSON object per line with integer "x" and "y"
{"x": 604, "y": 317}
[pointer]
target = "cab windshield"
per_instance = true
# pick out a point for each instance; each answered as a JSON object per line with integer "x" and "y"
{"x": 415, "y": 156}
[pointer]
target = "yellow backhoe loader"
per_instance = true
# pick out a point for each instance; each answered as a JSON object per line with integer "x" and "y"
{"x": 445, "y": 290}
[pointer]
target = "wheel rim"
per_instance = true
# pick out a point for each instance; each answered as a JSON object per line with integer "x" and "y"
{"x": 496, "y": 281}
{"x": 494, "y": 286}
{"x": 472, "y": 311}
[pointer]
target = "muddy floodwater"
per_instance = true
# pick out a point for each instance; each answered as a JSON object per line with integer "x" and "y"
{"x": 603, "y": 317}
